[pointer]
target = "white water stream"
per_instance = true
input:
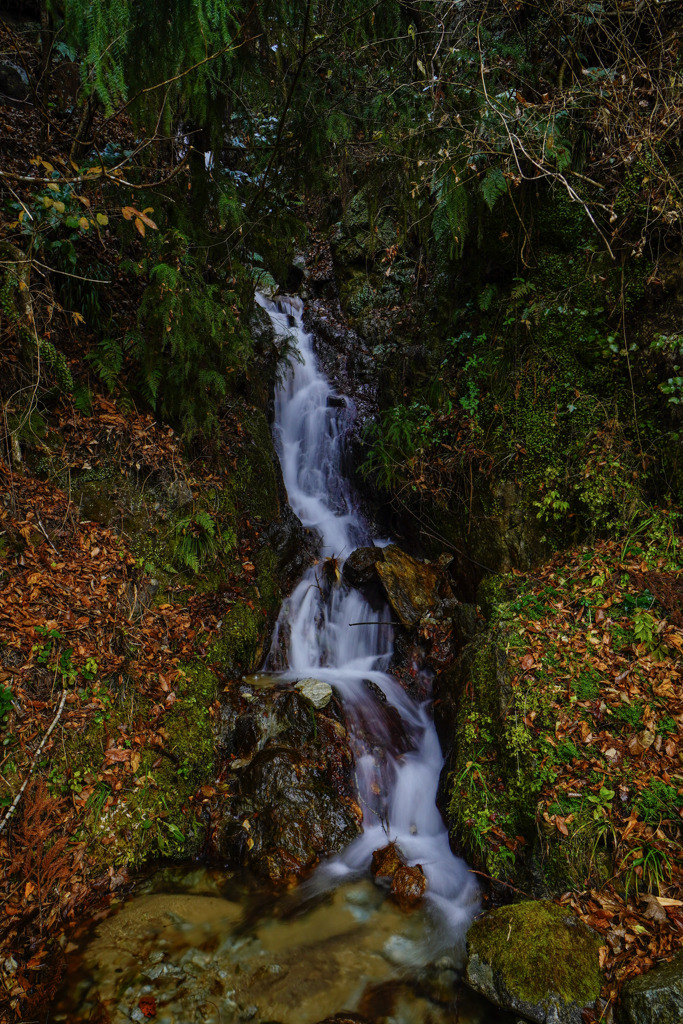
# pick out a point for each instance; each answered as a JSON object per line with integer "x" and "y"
{"x": 317, "y": 627}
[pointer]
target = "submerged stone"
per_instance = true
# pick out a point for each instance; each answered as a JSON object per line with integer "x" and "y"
{"x": 535, "y": 959}
{"x": 319, "y": 693}
{"x": 655, "y": 996}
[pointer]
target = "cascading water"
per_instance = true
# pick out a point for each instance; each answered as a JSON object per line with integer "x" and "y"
{"x": 334, "y": 634}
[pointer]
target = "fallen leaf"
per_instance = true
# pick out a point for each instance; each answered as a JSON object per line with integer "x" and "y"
{"x": 148, "y": 1006}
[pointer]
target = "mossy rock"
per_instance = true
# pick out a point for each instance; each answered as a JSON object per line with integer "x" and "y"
{"x": 535, "y": 959}
{"x": 240, "y": 647}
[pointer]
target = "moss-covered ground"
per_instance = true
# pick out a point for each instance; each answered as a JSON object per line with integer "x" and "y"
{"x": 566, "y": 774}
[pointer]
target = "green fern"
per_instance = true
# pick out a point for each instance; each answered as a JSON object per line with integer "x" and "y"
{"x": 107, "y": 361}
{"x": 493, "y": 186}
{"x": 450, "y": 221}
{"x": 204, "y": 520}
{"x": 197, "y": 540}
{"x": 522, "y": 289}
{"x": 486, "y": 297}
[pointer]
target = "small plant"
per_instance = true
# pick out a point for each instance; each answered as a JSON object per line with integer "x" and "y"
{"x": 644, "y": 628}
{"x": 5, "y": 703}
{"x": 98, "y": 798}
{"x": 672, "y": 347}
{"x": 647, "y": 867}
{"x": 602, "y": 802}
{"x": 551, "y": 506}
{"x": 197, "y": 539}
{"x": 5, "y": 708}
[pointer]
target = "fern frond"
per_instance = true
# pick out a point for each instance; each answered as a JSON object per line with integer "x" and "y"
{"x": 493, "y": 186}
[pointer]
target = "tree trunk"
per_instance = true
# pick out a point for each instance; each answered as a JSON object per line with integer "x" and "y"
{"x": 47, "y": 39}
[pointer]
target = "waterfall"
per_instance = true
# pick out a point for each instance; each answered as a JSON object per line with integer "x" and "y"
{"x": 332, "y": 633}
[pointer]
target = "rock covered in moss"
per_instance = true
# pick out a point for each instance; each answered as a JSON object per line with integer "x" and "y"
{"x": 535, "y": 959}
{"x": 655, "y": 996}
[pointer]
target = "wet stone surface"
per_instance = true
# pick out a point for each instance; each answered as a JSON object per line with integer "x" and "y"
{"x": 292, "y": 797}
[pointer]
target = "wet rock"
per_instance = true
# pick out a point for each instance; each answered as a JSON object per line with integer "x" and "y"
{"x": 375, "y": 690}
{"x": 535, "y": 959}
{"x": 346, "y": 359}
{"x": 466, "y": 622}
{"x": 14, "y": 83}
{"x": 293, "y": 799}
{"x": 408, "y": 885}
{"x": 654, "y": 997}
{"x": 296, "y": 274}
{"x": 381, "y": 726}
{"x": 179, "y": 493}
{"x": 360, "y": 567}
{"x": 336, "y": 402}
{"x": 413, "y": 588}
{"x": 319, "y": 693}
{"x": 293, "y": 545}
{"x": 386, "y": 861}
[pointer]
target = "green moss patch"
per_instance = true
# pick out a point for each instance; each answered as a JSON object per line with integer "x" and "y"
{"x": 539, "y": 948}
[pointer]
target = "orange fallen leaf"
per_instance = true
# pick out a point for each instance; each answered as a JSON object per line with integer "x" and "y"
{"x": 148, "y": 1006}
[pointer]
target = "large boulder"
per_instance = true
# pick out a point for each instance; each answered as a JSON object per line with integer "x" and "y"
{"x": 292, "y": 797}
{"x": 537, "y": 960}
{"x": 14, "y": 82}
{"x": 655, "y": 996}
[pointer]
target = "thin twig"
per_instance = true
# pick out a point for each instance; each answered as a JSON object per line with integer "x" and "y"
{"x": 15, "y": 802}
